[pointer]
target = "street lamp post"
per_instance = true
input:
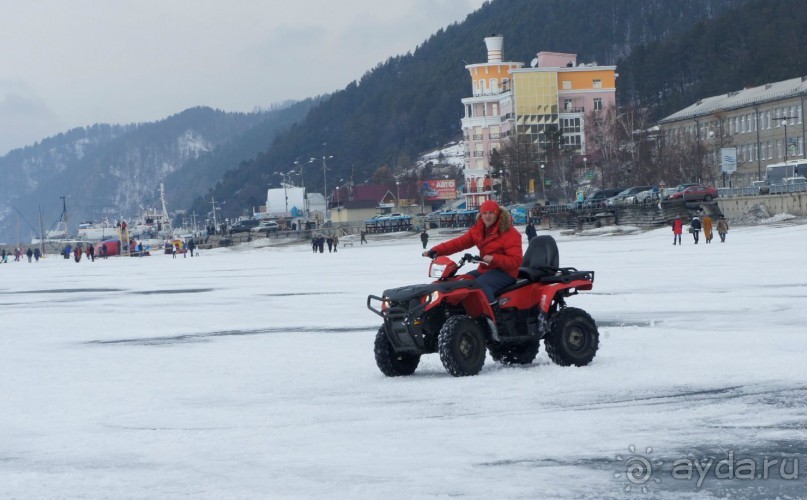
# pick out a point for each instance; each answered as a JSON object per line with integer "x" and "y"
{"x": 324, "y": 181}
{"x": 543, "y": 183}
{"x": 502, "y": 185}
{"x": 302, "y": 179}
{"x": 398, "y": 194}
{"x": 784, "y": 124}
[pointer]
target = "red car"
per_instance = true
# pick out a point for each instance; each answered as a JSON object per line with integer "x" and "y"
{"x": 695, "y": 193}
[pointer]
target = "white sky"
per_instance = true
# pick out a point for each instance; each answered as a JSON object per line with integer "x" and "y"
{"x": 248, "y": 372}
{"x": 69, "y": 64}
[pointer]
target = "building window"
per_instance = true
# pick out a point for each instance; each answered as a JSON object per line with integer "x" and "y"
{"x": 597, "y": 84}
{"x": 598, "y": 103}
{"x": 495, "y": 109}
{"x": 567, "y": 84}
{"x": 567, "y": 104}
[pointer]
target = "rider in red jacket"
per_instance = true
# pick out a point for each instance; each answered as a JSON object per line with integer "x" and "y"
{"x": 499, "y": 245}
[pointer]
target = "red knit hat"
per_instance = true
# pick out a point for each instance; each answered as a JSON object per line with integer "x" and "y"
{"x": 489, "y": 206}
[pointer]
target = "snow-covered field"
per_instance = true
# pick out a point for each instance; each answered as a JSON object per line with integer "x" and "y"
{"x": 249, "y": 373}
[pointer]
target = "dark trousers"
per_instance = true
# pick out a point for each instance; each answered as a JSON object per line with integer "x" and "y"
{"x": 492, "y": 281}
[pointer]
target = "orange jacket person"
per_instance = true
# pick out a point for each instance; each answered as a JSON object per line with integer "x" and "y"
{"x": 499, "y": 245}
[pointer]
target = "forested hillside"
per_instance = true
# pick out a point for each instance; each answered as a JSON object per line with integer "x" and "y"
{"x": 115, "y": 170}
{"x": 411, "y": 103}
{"x": 763, "y": 41}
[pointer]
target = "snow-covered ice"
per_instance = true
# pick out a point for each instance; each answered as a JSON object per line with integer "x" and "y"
{"x": 249, "y": 373}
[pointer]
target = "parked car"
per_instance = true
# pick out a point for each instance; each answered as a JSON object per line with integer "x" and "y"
{"x": 621, "y": 197}
{"x": 597, "y": 198}
{"x": 695, "y": 193}
{"x": 243, "y": 226}
{"x": 648, "y": 196}
{"x": 668, "y": 192}
{"x": 266, "y": 227}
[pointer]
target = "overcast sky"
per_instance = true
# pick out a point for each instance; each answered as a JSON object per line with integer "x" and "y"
{"x": 70, "y": 64}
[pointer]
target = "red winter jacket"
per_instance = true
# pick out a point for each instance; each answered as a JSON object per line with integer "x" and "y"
{"x": 678, "y": 226}
{"x": 502, "y": 241}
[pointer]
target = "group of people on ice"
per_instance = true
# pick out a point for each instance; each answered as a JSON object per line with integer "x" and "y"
{"x": 695, "y": 227}
{"x": 319, "y": 240}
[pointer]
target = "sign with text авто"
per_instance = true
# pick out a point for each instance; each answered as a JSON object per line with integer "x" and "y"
{"x": 728, "y": 163}
{"x": 443, "y": 189}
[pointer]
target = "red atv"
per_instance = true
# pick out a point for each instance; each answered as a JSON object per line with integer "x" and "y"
{"x": 452, "y": 316}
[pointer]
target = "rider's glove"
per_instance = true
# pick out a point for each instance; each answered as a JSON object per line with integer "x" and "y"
{"x": 432, "y": 254}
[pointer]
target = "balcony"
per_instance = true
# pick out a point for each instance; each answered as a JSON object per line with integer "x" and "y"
{"x": 573, "y": 110}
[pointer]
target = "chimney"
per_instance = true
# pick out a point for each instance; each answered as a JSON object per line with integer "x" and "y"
{"x": 494, "y": 44}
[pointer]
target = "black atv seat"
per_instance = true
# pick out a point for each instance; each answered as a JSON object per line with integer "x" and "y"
{"x": 540, "y": 260}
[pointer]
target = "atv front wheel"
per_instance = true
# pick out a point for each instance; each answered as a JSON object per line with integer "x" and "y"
{"x": 573, "y": 338}
{"x": 390, "y": 363}
{"x": 462, "y": 346}
{"x": 515, "y": 354}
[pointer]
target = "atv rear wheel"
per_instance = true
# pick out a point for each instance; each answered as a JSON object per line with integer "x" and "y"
{"x": 461, "y": 344}
{"x": 573, "y": 338}
{"x": 390, "y": 363}
{"x": 515, "y": 354}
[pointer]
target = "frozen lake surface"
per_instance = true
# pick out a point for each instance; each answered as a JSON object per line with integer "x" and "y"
{"x": 249, "y": 373}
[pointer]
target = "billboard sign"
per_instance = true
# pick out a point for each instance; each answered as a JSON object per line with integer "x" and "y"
{"x": 728, "y": 158}
{"x": 441, "y": 189}
{"x": 288, "y": 202}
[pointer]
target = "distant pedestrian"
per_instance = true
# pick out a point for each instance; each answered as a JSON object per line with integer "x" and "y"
{"x": 174, "y": 249}
{"x": 424, "y": 238}
{"x": 104, "y": 251}
{"x": 335, "y": 242}
{"x": 707, "y": 228}
{"x": 91, "y": 252}
{"x": 329, "y": 240}
{"x": 722, "y": 228}
{"x": 37, "y": 254}
{"x": 29, "y": 253}
{"x": 321, "y": 244}
{"x": 17, "y": 254}
{"x": 191, "y": 246}
{"x": 530, "y": 231}
{"x": 77, "y": 254}
{"x": 677, "y": 229}
{"x": 363, "y": 238}
{"x": 695, "y": 228}
{"x": 5, "y": 257}
{"x": 314, "y": 243}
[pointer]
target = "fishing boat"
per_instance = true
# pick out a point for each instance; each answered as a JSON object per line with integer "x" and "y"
{"x": 97, "y": 231}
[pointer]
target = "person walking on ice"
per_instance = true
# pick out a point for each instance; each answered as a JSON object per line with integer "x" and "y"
{"x": 677, "y": 229}
{"x": 722, "y": 228}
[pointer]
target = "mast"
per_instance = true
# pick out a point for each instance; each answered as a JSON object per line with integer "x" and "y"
{"x": 215, "y": 222}
{"x": 64, "y": 215}
{"x": 166, "y": 219}
{"x": 41, "y": 232}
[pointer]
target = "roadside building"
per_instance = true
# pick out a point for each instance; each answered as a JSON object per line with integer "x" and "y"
{"x": 510, "y": 100}
{"x": 765, "y": 125}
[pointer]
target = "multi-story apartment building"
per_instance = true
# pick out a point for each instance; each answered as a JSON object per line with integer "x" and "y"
{"x": 765, "y": 124}
{"x": 509, "y": 99}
